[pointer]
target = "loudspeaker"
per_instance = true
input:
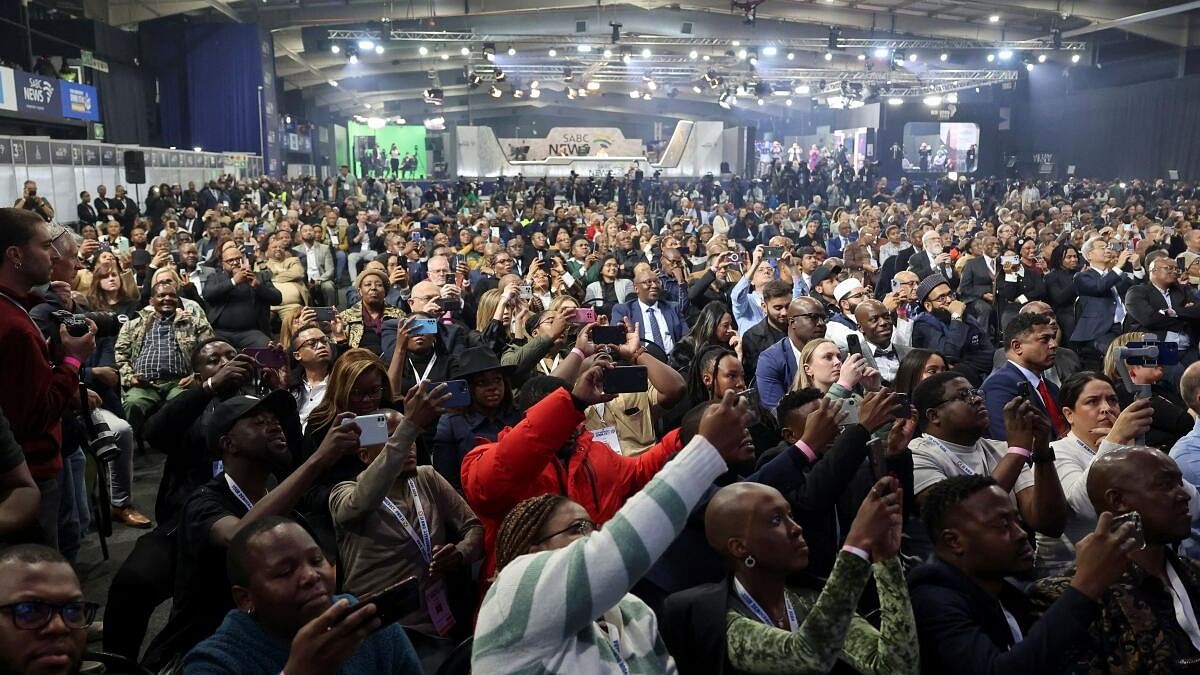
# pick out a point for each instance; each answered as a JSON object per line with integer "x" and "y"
{"x": 751, "y": 160}
{"x": 135, "y": 167}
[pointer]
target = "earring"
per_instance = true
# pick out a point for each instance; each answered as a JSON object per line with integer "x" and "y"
{"x": 749, "y": 561}
{"x": 250, "y": 611}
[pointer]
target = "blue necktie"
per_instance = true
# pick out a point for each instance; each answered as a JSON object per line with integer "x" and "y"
{"x": 654, "y": 329}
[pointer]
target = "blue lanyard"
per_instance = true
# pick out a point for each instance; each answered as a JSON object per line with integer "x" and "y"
{"x": 237, "y": 492}
{"x": 614, "y": 643}
{"x": 761, "y": 613}
{"x": 424, "y": 542}
{"x": 962, "y": 466}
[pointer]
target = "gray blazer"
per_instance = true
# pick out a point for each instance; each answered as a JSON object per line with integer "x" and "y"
{"x": 622, "y": 286}
{"x": 325, "y": 266}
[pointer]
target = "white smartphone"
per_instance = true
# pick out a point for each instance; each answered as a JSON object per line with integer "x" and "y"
{"x": 372, "y": 429}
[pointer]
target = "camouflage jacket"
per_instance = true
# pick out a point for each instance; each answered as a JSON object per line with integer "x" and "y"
{"x": 352, "y": 321}
{"x": 191, "y": 328}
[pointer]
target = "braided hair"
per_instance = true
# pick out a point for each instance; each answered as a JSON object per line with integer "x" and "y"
{"x": 520, "y": 528}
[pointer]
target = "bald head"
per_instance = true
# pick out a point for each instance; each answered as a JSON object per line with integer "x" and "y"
{"x": 1037, "y": 307}
{"x": 1189, "y": 387}
{"x": 1147, "y": 481}
{"x": 730, "y": 512}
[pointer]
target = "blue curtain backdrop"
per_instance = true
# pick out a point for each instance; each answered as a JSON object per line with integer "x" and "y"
{"x": 208, "y": 77}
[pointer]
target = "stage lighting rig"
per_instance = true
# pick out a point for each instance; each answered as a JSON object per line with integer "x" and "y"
{"x": 749, "y": 9}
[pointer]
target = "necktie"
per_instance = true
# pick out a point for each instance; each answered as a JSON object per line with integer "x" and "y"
{"x": 655, "y": 331}
{"x": 885, "y": 353}
{"x": 1056, "y": 418}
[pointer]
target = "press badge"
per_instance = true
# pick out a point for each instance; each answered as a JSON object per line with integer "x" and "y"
{"x": 608, "y": 436}
{"x": 438, "y": 604}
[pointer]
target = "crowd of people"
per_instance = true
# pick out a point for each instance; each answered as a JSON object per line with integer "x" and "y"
{"x": 605, "y": 426}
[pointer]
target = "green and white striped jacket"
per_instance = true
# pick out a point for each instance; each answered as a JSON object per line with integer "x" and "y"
{"x": 540, "y": 615}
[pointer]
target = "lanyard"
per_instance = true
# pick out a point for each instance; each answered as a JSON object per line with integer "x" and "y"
{"x": 237, "y": 492}
{"x": 1084, "y": 446}
{"x": 424, "y": 542}
{"x": 615, "y": 643}
{"x": 761, "y": 613}
{"x": 1184, "y": 615}
{"x": 550, "y": 369}
{"x": 962, "y": 466}
{"x": 421, "y": 377}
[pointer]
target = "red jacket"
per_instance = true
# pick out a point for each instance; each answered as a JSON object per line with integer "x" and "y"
{"x": 522, "y": 463}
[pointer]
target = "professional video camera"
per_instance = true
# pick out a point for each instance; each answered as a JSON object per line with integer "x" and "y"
{"x": 108, "y": 324}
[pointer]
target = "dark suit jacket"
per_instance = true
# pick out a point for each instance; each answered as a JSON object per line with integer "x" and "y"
{"x": 219, "y": 290}
{"x": 775, "y": 372}
{"x": 919, "y": 263}
{"x": 976, "y": 280}
{"x": 671, "y": 318}
{"x": 87, "y": 213}
{"x": 1066, "y": 362}
{"x": 755, "y": 340}
{"x": 1001, "y": 387}
{"x": 1097, "y": 305}
{"x": 1060, "y": 293}
{"x": 964, "y": 344}
{"x": 963, "y": 630}
{"x": 1143, "y": 303}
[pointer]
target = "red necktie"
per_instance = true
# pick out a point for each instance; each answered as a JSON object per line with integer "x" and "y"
{"x": 1060, "y": 426}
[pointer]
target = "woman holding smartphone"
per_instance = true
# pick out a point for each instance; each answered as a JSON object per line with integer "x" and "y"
{"x": 491, "y": 409}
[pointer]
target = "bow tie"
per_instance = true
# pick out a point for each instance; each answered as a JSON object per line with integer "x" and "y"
{"x": 885, "y": 353}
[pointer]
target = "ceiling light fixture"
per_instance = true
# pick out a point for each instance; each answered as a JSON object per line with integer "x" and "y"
{"x": 895, "y": 101}
{"x": 995, "y": 18}
{"x": 495, "y": 91}
{"x": 696, "y": 89}
{"x": 635, "y": 94}
{"x": 802, "y": 89}
{"x": 423, "y": 50}
{"x": 944, "y": 57}
{"x": 881, "y": 52}
{"x": 553, "y": 52}
{"x": 512, "y": 51}
{"x": 465, "y": 51}
{"x": 535, "y": 93}
{"x": 378, "y": 49}
{"x": 788, "y": 102}
{"x": 646, "y": 53}
{"x": 1005, "y": 54}
{"x": 1074, "y": 58}
{"x": 791, "y": 56}
{"x": 828, "y": 56}
{"x": 932, "y": 101}
{"x": 693, "y": 55}
{"x": 1041, "y": 58}
{"x": 354, "y": 58}
{"x": 333, "y": 83}
{"x": 770, "y": 51}
{"x": 367, "y": 45}
{"x": 991, "y": 58}
{"x": 583, "y": 49}
{"x": 607, "y": 53}
{"x": 335, "y": 49}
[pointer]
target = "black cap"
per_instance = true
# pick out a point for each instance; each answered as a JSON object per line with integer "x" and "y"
{"x": 825, "y": 272}
{"x": 229, "y": 411}
{"x": 139, "y": 258}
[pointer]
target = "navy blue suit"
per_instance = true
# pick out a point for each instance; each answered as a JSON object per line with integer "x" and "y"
{"x": 669, "y": 318}
{"x": 963, "y": 344}
{"x": 1097, "y": 306}
{"x": 1001, "y": 387}
{"x": 775, "y": 372}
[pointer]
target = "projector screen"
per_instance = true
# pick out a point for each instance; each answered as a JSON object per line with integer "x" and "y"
{"x": 940, "y": 147}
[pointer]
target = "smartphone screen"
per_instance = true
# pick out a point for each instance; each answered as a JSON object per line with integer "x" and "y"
{"x": 267, "y": 358}
{"x": 394, "y": 602}
{"x": 325, "y": 313}
{"x": 625, "y": 380}
{"x": 460, "y": 393}
{"x": 608, "y": 335}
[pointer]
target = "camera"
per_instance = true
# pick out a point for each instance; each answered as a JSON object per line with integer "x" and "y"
{"x": 108, "y": 324}
{"x": 103, "y": 443}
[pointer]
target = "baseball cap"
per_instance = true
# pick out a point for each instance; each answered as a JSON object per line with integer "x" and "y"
{"x": 229, "y": 411}
{"x": 824, "y": 272}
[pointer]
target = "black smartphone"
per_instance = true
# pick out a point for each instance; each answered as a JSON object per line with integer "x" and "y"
{"x": 267, "y": 358}
{"x": 625, "y": 379}
{"x": 394, "y": 602}
{"x": 853, "y": 346}
{"x": 608, "y": 335}
{"x": 325, "y": 313}
{"x": 1025, "y": 391}
{"x": 901, "y": 408}
{"x": 772, "y": 252}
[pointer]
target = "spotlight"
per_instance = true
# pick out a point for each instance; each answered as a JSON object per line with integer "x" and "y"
{"x": 635, "y": 94}
{"x": 881, "y": 52}
{"x": 583, "y": 49}
{"x": 696, "y": 89}
{"x": 435, "y": 123}
{"x": 197, "y": 149}
{"x": 769, "y": 51}
{"x": 693, "y": 55}
{"x": 895, "y": 101}
{"x": 376, "y": 122}
{"x": 378, "y": 49}
{"x": 828, "y": 56}
{"x": 512, "y": 51}
{"x": 607, "y": 53}
{"x": 626, "y": 58}
{"x": 652, "y": 85}
{"x": 495, "y": 91}
{"x": 465, "y": 51}
{"x": 788, "y": 102}
{"x": 1041, "y": 58}
{"x": 862, "y": 57}
{"x": 736, "y": 43}
{"x": 802, "y": 89}
{"x": 593, "y": 86}
{"x": 912, "y": 57}
{"x": 287, "y": 119}
{"x": 646, "y": 96}
{"x": 753, "y": 60}
{"x": 741, "y": 54}
{"x": 944, "y": 57}
{"x": 366, "y": 45}
{"x": 1074, "y": 58}
{"x": 1005, "y": 54}
{"x": 995, "y": 18}
{"x": 333, "y": 83}
{"x": 761, "y": 101}
{"x": 499, "y": 75}
{"x": 791, "y": 56}
{"x": 553, "y": 52}
{"x": 991, "y": 58}
{"x": 616, "y": 32}
{"x": 1029, "y": 67}
{"x": 354, "y": 58}
{"x": 535, "y": 93}
{"x": 445, "y": 56}
{"x": 646, "y": 53}
{"x": 582, "y": 93}
{"x": 952, "y": 97}
{"x": 335, "y": 49}
{"x": 423, "y": 50}
{"x": 535, "y": 84}
{"x": 706, "y": 57}
{"x": 932, "y": 101}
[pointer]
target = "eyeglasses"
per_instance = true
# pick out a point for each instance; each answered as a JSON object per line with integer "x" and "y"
{"x": 33, "y": 614}
{"x": 314, "y": 343}
{"x": 583, "y": 527}
{"x": 650, "y": 282}
{"x": 366, "y": 394}
{"x": 965, "y": 396}
{"x": 948, "y": 297}
{"x": 811, "y": 316}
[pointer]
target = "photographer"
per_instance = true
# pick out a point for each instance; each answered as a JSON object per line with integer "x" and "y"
{"x": 37, "y": 386}
{"x": 30, "y": 201}
{"x": 240, "y": 300}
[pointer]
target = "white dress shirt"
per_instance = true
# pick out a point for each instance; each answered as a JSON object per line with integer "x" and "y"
{"x": 648, "y": 333}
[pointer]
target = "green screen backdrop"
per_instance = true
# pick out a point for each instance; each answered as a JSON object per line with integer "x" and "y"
{"x": 408, "y": 139}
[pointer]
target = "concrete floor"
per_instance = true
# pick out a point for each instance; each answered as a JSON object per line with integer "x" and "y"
{"x": 95, "y": 572}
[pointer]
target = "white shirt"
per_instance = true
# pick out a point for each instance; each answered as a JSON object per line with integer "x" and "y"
{"x": 648, "y": 333}
{"x": 1119, "y": 314}
{"x": 315, "y": 394}
{"x": 310, "y": 265}
{"x": 887, "y": 365}
{"x": 196, "y": 280}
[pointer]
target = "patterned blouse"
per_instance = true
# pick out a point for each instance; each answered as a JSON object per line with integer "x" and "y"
{"x": 1137, "y": 631}
{"x": 830, "y": 629}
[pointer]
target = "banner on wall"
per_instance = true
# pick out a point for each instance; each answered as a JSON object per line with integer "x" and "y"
{"x": 37, "y": 95}
{"x": 79, "y": 102}
{"x": 8, "y": 89}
